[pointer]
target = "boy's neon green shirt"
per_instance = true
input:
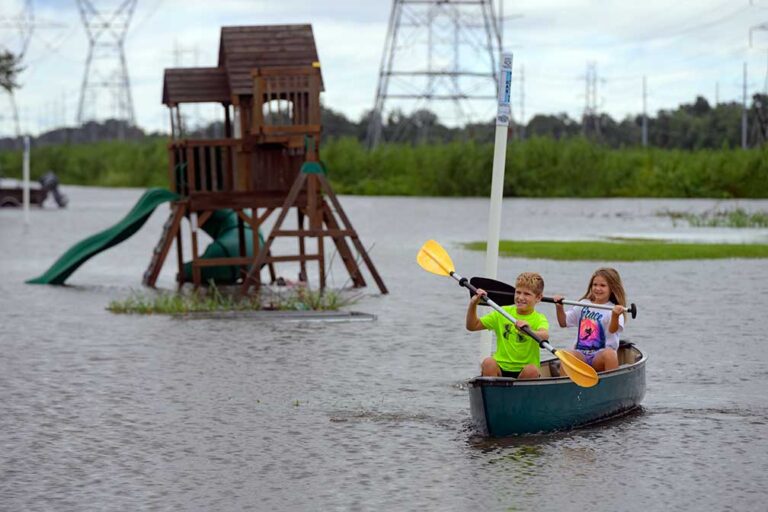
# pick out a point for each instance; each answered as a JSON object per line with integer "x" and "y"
{"x": 515, "y": 350}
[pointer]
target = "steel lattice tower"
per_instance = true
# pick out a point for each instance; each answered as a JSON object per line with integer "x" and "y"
{"x": 105, "y": 66}
{"x": 24, "y": 23}
{"x": 438, "y": 51}
{"x": 590, "y": 119}
{"x": 760, "y": 124}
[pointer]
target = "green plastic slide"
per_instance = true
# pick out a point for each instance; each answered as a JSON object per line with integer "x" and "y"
{"x": 222, "y": 227}
{"x": 93, "y": 245}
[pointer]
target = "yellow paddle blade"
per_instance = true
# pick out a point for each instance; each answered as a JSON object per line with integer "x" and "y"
{"x": 433, "y": 258}
{"x": 577, "y": 370}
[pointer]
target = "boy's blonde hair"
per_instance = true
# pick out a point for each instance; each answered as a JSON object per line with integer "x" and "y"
{"x": 532, "y": 281}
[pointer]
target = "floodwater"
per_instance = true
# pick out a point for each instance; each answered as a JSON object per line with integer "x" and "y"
{"x": 113, "y": 412}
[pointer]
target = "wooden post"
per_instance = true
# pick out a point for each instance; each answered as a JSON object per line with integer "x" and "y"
{"x": 196, "y": 277}
{"x": 302, "y": 248}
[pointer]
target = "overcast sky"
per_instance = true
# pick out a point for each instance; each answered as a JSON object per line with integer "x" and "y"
{"x": 685, "y": 48}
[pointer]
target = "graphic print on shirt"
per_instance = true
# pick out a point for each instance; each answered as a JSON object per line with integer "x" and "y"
{"x": 591, "y": 332}
{"x": 508, "y": 331}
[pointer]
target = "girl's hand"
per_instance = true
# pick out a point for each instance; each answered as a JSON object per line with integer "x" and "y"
{"x": 618, "y": 309}
{"x": 480, "y": 293}
{"x": 558, "y": 300}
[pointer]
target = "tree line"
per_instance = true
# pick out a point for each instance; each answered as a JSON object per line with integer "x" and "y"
{"x": 690, "y": 126}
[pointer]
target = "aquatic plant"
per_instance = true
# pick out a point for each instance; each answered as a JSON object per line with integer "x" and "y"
{"x": 736, "y": 218}
{"x": 214, "y": 299}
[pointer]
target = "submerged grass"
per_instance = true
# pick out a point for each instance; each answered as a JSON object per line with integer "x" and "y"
{"x": 737, "y": 218}
{"x": 213, "y": 299}
{"x": 634, "y": 250}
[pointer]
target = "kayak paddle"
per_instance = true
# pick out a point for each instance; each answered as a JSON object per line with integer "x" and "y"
{"x": 433, "y": 258}
{"x": 504, "y": 294}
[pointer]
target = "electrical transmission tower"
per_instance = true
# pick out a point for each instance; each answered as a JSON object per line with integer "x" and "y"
{"x": 437, "y": 54}
{"x": 106, "y": 70}
{"x": 760, "y": 107}
{"x": 24, "y": 24}
{"x": 590, "y": 119}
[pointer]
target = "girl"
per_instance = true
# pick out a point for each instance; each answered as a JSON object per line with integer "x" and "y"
{"x": 597, "y": 339}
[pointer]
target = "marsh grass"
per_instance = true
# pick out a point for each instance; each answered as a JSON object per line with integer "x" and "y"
{"x": 535, "y": 167}
{"x": 214, "y": 299}
{"x": 630, "y": 250}
{"x": 736, "y": 218}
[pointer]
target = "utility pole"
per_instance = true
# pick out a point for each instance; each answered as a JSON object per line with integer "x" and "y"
{"x": 106, "y": 69}
{"x": 522, "y": 102}
{"x": 717, "y": 93}
{"x": 590, "y": 122}
{"x": 458, "y": 66}
{"x": 645, "y": 113}
{"x": 744, "y": 112}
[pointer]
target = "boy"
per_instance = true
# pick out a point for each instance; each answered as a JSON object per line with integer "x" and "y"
{"x": 517, "y": 354}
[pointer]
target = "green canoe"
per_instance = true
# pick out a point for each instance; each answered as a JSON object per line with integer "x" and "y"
{"x": 504, "y": 406}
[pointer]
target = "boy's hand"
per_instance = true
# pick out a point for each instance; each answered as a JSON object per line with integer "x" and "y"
{"x": 478, "y": 295}
{"x": 521, "y": 324}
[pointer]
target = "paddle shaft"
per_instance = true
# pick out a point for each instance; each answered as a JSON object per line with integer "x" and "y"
{"x": 632, "y": 309}
{"x": 463, "y": 281}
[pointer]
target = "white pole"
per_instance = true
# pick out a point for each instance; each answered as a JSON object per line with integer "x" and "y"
{"x": 25, "y": 191}
{"x": 499, "y": 160}
{"x": 503, "y": 114}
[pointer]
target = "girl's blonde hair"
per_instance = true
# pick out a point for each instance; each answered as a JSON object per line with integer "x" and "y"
{"x": 612, "y": 277}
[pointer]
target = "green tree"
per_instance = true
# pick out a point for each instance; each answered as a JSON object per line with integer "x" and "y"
{"x": 9, "y": 70}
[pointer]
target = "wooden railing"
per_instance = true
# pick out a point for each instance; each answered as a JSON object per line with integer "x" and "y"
{"x": 202, "y": 165}
{"x": 286, "y": 103}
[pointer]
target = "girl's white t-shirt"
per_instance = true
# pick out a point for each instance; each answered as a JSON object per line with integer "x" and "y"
{"x": 592, "y": 326}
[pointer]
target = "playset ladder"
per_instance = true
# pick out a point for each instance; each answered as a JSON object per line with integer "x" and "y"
{"x": 170, "y": 230}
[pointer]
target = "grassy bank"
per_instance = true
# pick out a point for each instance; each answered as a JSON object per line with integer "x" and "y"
{"x": 624, "y": 251}
{"x": 539, "y": 167}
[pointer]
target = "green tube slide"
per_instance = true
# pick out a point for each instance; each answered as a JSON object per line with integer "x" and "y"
{"x": 222, "y": 227}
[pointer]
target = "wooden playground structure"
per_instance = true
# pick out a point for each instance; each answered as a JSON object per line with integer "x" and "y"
{"x": 268, "y": 82}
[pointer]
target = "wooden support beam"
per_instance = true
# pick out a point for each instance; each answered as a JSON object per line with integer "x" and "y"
{"x": 355, "y": 240}
{"x": 347, "y": 258}
{"x": 314, "y": 232}
{"x": 253, "y": 277}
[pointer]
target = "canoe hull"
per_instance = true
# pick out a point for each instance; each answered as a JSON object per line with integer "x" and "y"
{"x": 503, "y": 407}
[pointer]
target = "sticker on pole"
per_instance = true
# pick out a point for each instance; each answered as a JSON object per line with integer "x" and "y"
{"x": 504, "y": 111}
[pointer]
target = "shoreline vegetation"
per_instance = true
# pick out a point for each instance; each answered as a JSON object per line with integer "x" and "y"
{"x": 213, "y": 300}
{"x": 714, "y": 218}
{"x": 629, "y": 250}
{"x": 536, "y": 167}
